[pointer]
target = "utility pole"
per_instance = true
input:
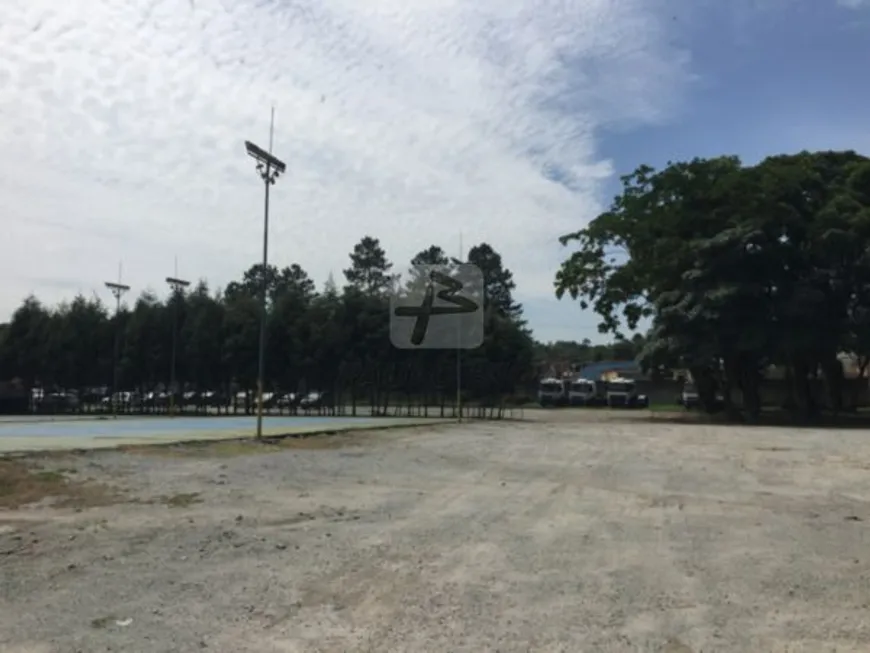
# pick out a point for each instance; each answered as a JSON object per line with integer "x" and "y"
{"x": 269, "y": 168}
{"x": 177, "y": 285}
{"x": 118, "y": 290}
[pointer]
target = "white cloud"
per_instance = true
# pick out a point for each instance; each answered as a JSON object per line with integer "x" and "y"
{"x": 122, "y": 121}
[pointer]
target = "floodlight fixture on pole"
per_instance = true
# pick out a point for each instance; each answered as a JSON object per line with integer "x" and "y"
{"x": 118, "y": 290}
{"x": 269, "y": 168}
{"x": 266, "y": 162}
{"x": 178, "y": 286}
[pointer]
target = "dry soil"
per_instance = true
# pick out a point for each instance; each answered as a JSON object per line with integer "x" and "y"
{"x": 569, "y": 532}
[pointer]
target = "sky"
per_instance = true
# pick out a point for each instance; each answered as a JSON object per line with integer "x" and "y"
{"x": 122, "y": 127}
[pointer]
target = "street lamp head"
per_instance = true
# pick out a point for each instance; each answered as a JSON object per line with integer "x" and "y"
{"x": 117, "y": 287}
{"x": 177, "y": 283}
{"x": 264, "y": 158}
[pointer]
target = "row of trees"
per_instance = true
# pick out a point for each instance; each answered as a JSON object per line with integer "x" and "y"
{"x": 585, "y": 351}
{"x": 739, "y": 268}
{"x": 335, "y": 340}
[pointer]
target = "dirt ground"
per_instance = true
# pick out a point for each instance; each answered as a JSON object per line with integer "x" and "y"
{"x": 569, "y": 532}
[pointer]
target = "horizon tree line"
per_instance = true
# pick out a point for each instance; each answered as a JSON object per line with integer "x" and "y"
{"x": 335, "y": 340}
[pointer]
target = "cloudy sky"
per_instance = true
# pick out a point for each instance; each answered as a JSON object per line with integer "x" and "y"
{"x": 122, "y": 125}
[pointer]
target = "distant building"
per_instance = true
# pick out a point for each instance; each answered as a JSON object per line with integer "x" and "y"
{"x": 557, "y": 369}
{"x": 605, "y": 369}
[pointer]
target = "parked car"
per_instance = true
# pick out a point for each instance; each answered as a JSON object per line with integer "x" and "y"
{"x": 313, "y": 401}
{"x": 123, "y": 401}
{"x": 288, "y": 400}
{"x": 688, "y": 398}
{"x": 57, "y": 402}
{"x": 212, "y": 398}
{"x": 155, "y": 399}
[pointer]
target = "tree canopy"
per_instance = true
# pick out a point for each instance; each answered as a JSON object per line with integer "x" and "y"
{"x": 738, "y": 268}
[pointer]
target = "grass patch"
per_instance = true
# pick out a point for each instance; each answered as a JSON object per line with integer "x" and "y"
{"x": 23, "y": 483}
{"x": 248, "y": 446}
{"x": 666, "y": 408}
{"x": 770, "y": 416}
{"x": 181, "y": 500}
{"x": 49, "y": 477}
{"x": 214, "y": 449}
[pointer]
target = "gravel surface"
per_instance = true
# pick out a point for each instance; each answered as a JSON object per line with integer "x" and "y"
{"x": 568, "y": 532}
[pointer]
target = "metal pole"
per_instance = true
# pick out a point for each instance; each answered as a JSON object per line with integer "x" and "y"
{"x": 459, "y": 351}
{"x": 117, "y": 290}
{"x": 112, "y": 398}
{"x": 177, "y": 287}
{"x": 261, "y": 356}
{"x": 269, "y": 167}
{"x": 174, "y": 346}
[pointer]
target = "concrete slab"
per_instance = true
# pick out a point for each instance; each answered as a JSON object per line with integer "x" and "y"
{"x": 20, "y": 437}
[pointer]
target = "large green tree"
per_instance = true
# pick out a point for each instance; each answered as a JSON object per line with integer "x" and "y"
{"x": 421, "y": 261}
{"x": 25, "y": 353}
{"x": 739, "y": 268}
{"x": 498, "y": 281}
{"x": 369, "y": 270}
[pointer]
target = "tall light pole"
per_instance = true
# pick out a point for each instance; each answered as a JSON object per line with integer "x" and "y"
{"x": 269, "y": 168}
{"x": 117, "y": 289}
{"x": 458, "y": 262}
{"x": 177, "y": 285}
